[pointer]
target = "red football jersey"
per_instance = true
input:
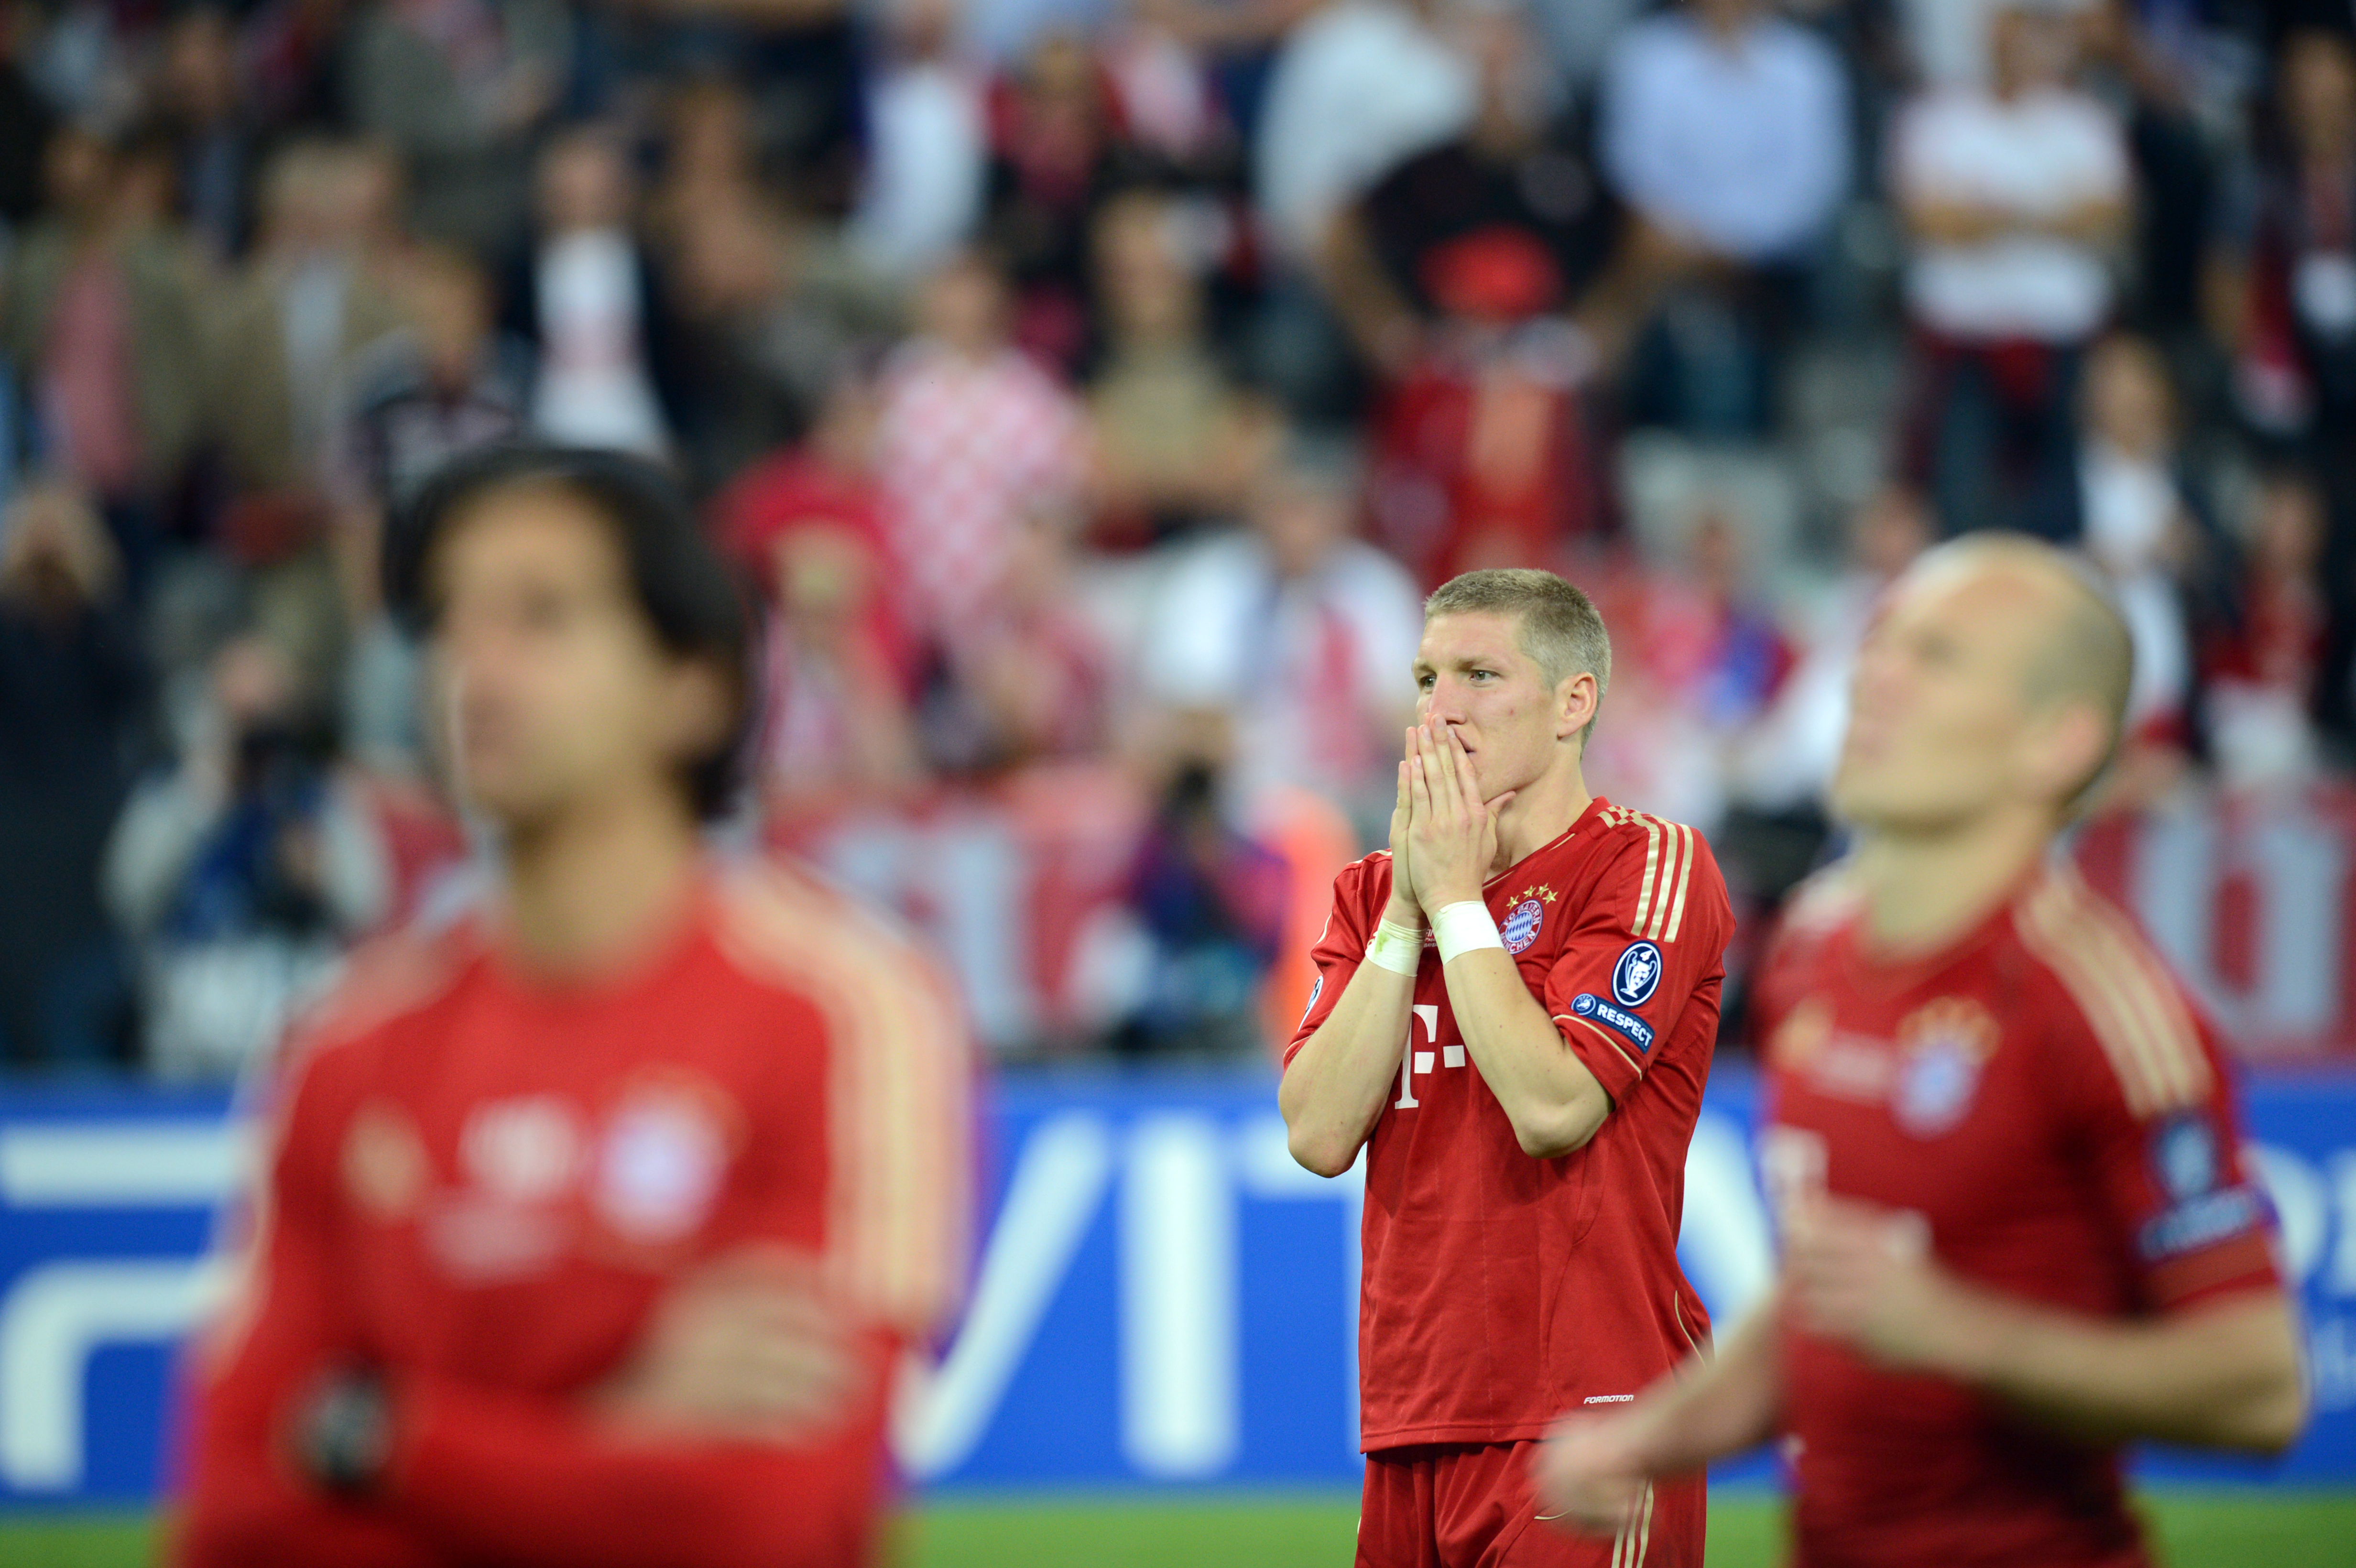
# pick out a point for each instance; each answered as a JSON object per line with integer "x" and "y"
{"x": 1500, "y": 1290}
{"x": 2044, "y": 1096}
{"x": 481, "y": 1184}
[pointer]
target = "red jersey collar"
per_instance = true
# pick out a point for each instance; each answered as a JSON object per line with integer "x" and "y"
{"x": 1903, "y": 973}
{"x": 1595, "y": 806}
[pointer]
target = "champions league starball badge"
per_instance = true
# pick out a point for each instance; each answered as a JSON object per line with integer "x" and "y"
{"x": 1637, "y": 974}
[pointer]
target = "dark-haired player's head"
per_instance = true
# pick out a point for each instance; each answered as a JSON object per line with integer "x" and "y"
{"x": 1994, "y": 680}
{"x": 1516, "y": 661}
{"x": 585, "y": 642}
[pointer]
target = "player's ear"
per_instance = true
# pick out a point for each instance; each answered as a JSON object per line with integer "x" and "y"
{"x": 2067, "y": 748}
{"x": 1574, "y": 704}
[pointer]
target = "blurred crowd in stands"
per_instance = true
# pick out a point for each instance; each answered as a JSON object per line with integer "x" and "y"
{"x": 1091, "y": 388}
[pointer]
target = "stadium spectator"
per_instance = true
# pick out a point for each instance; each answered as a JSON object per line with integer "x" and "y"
{"x": 1176, "y": 442}
{"x": 448, "y": 384}
{"x": 1357, "y": 86}
{"x": 2286, "y": 288}
{"x": 2134, "y": 521}
{"x": 1514, "y": 194}
{"x": 71, "y": 684}
{"x": 1727, "y": 128}
{"x": 836, "y": 667}
{"x": 1296, "y": 633}
{"x": 921, "y": 195}
{"x": 2263, "y": 665}
{"x": 244, "y": 872}
{"x": 586, "y": 300}
{"x": 308, "y": 303}
{"x": 2015, "y": 196}
{"x": 1210, "y": 900}
{"x": 199, "y": 106}
{"x": 458, "y": 88}
{"x": 975, "y": 443}
{"x": 26, "y": 120}
{"x": 1057, "y": 157}
{"x": 101, "y": 312}
{"x": 768, "y": 302}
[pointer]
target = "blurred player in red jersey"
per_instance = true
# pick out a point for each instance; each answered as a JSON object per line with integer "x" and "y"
{"x": 2019, "y": 1225}
{"x": 591, "y": 1224}
{"x": 1515, "y": 1011}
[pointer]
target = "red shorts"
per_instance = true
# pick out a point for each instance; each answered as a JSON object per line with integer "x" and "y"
{"x": 1471, "y": 1506}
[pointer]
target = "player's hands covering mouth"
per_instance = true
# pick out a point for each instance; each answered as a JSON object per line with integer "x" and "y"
{"x": 747, "y": 1347}
{"x": 1451, "y": 833}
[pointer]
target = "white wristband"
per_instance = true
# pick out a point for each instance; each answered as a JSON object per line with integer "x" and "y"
{"x": 1397, "y": 948}
{"x": 1464, "y": 928}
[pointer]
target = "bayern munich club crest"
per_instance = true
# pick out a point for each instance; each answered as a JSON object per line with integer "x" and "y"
{"x": 1637, "y": 974}
{"x": 1521, "y": 927}
{"x": 1940, "y": 1051}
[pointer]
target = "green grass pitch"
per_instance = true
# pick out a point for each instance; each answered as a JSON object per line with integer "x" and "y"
{"x": 2306, "y": 1530}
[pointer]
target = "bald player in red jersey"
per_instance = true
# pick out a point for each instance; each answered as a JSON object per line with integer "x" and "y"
{"x": 1515, "y": 1012}
{"x": 591, "y": 1224}
{"x": 2020, "y": 1224}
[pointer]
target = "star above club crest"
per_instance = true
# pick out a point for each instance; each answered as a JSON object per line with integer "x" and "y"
{"x": 1539, "y": 891}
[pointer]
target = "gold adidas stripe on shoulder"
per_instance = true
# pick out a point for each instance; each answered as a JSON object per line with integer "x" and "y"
{"x": 1669, "y": 856}
{"x": 2133, "y": 1005}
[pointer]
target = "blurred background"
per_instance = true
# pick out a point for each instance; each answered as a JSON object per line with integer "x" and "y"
{"x": 1091, "y": 389}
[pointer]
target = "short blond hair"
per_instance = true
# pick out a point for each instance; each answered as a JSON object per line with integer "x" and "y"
{"x": 1560, "y": 628}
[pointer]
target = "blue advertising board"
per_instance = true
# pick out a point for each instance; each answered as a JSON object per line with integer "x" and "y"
{"x": 1163, "y": 1297}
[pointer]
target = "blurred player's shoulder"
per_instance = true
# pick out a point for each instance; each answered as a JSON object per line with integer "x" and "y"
{"x": 1824, "y": 903}
{"x": 780, "y": 921}
{"x": 385, "y": 979}
{"x": 897, "y": 1066}
{"x": 2112, "y": 993}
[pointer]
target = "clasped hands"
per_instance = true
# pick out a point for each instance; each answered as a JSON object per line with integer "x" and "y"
{"x": 1443, "y": 835}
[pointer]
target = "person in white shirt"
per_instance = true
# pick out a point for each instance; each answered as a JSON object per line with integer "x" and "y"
{"x": 1728, "y": 126}
{"x": 594, "y": 387}
{"x": 927, "y": 144}
{"x": 1358, "y": 85}
{"x": 1294, "y": 631}
{"x": 2015, "y": 198}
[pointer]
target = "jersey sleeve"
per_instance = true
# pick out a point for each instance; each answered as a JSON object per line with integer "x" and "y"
{"x": 284, "y": 1323}
{"x": 2150, "y": 1100}
{"x": 1341, "y": 949}
{"x": 1650, "y": 942}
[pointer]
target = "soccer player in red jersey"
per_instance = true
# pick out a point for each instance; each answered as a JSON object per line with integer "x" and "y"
{"x": 1515, "y": 1011}
{"x": 2019, "y": 1224}
{"x": 590, "y": 1224}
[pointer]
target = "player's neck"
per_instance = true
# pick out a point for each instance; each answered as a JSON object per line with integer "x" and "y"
{"x": 1923, "y": 890}
{"x": 590, "y": 888}
{"x": 1540, "y": 813}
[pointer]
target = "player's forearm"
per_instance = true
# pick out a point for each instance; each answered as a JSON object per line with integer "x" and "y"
{"x": 1337, "y": 1082}
{"x": 529, "y": 1481}
{"x": 2222, "y": 1376}
{"x": 1553, "y": 1100}
{"x": 1728, "y": 1399}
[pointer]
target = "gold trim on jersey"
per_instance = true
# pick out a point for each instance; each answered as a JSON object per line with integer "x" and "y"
{"x": 2127, "y": 995}
{"x": 897, "y": 1124}
{"x": 1661, "y": 901}
{"x": 1635, "y": 1538}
